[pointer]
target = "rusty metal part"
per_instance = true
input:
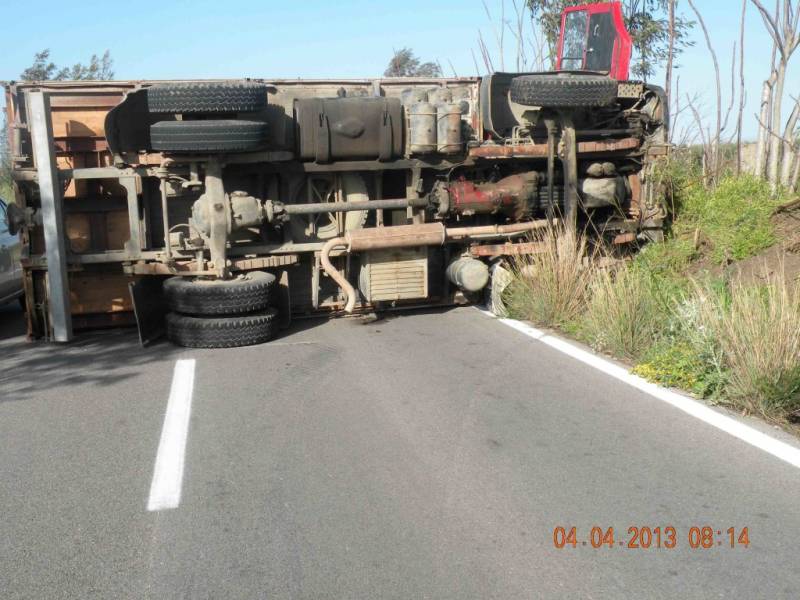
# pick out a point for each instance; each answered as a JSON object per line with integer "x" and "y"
{"x": 635, "y": 183}
{"x": 409, "y": 236}
{"x": 511, "y": 196}
{"x": 509, "y": 249}
{"x": 180, "y": 267}
{"x": 551, "y": 168}
{"x": 491, "y": 151}
{"x": 217, "y": 215}
{"x": 330, "y": 207}
{"x": 165, "y": 216}
{"x": 624, "y": 238}
{"x": 569, "y": 165}
{"x": 489, "y": 231}
{"x": 400, "y": 236}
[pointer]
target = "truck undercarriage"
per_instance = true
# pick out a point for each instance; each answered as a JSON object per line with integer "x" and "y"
{"x": 350, "y": 195}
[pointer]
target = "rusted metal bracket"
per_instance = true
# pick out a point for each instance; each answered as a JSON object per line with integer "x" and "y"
{"x": 216, "y": 213}
{"x": 569, "y": 163}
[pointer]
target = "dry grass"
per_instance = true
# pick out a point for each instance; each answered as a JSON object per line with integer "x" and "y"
{"x": 758, "y": 331}
{"x": 623, "y": 314}
{"x": 550, "y": 287}
{"x": 734, "y": 342}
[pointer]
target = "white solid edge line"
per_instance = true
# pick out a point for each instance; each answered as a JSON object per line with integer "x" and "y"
{"x": 165, "y": 490}
{"x": 737, "y": 429}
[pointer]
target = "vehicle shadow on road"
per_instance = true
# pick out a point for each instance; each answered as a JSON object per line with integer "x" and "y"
{"x": 95, "y": 358}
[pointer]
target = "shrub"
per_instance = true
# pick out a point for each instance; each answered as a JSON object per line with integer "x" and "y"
{"x": 678, "y": 365}
{"x": 549, "y": 287}
{"x": 688, "y": 356}
{"x": 624, "y": 315}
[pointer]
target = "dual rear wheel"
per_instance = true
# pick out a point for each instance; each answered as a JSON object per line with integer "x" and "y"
{"x": 215, "y": 313}
{"x": 213, "y": 110}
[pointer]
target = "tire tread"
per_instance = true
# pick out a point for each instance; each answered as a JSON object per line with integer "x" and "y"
{"x": 230, "y": 97}
{"x": 208, "y": 136}
{"x": 222, "y": 332}
{"x": 232, "y": 297}
{"x": 577, "y": 91}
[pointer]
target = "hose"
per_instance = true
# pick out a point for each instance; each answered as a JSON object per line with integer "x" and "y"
{"x": 334, "y": 274}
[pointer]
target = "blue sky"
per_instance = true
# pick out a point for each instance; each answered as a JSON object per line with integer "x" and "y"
{"x": 349, "y": 38}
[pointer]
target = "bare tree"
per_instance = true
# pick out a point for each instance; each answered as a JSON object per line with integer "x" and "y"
{"x": 741, "y": 91}
{"x": 765, "y": 112}
{"x": 782, "y": 26}
{"x": 670, "y": 50}
{"x": 530, "y": 41}
{"x": 713, "y": 152}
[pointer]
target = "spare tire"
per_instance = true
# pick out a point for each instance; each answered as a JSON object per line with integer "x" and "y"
{"x": 230, "y": 97}
{"x": 245, "y": 293}
{"x": 564, "y": 90}
{"x": 207, "y": 136}
{"x": 222, "y": 332}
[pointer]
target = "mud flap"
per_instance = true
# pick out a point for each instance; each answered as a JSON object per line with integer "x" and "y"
{"x": 149, "y": 307}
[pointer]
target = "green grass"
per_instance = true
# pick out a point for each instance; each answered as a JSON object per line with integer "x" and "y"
{"x": 734, "y": 218}
{"x": 668, "y": 260}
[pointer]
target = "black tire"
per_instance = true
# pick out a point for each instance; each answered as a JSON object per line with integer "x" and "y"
{"x": 222, "y": 332}
{"x": 208, "y": 136}
{"x": 245, "y": 96}
{"x": 569, "y": 91}
{"x": 244, "y": 294}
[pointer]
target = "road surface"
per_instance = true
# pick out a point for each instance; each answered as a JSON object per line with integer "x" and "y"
{"x": 427, "y": 455}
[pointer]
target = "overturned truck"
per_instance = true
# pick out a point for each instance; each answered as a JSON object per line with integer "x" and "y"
{"x": 220, "y": 209}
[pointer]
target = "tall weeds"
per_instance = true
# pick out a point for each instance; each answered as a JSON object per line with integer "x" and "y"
{"x": 549, "y": 287}
{"x": 736, "y": 343}
{"x": 624, "y": 315}
{"x": 758, "y": 332}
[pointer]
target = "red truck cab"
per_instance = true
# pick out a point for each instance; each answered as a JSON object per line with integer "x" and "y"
{"x": 593, "y": 37}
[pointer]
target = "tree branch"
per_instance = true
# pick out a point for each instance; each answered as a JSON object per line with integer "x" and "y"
{"x": 771, "y": 25}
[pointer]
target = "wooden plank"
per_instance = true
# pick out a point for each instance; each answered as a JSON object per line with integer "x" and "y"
{"x": 106, "y": 101}
{"x": 70, "y": 123}
{"x": 79, "y": 236}
{"x": 83, "y": 144}
{"x": 99, "y": 293}
{"x": 117, "y": 229}
{"x": 75, "y": 188}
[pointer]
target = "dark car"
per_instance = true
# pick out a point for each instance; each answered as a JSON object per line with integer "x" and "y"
{"x": 10, "y": 269}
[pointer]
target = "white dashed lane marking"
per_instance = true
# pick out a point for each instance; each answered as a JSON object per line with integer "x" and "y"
{"x": 165, "y": 490}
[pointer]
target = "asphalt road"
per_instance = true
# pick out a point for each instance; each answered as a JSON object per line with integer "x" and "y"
{"x": 427, "y": 455}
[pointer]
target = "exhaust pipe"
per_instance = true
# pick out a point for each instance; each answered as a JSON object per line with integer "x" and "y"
{"x": 409, "y": 236}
